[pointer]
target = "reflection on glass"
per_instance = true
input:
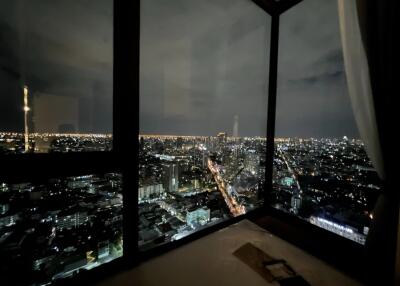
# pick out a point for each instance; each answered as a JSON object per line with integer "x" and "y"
{"x": 55, "y": 229}
{"x": 322, "y": 173}
{"x": 202, "y": 115}
{"x": 55, "y": 76}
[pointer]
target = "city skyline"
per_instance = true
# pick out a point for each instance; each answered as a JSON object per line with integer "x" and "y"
{"x": 228, "y": 135}
{"x": 188, "y": 183}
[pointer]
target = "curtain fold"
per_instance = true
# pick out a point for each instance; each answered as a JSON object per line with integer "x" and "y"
{"x": 359, "y": 83}
{"x": 368, "y": 31}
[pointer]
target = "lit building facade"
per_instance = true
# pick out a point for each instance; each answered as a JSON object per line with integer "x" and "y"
{"x": 72, "y": 220}
{"x": 151, "y": 191}
{"x": 197, "y": 217}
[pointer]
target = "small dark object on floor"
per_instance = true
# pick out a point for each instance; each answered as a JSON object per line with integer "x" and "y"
{"x": 269, "y": 268}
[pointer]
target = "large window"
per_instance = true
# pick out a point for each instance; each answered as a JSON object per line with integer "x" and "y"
{"x": 192, "y": 156}
{"x": 321, "y": 171}
{"x": 203, "y": 103}
{"x": 60, "y": 207}
{"x": 55, "y": 76}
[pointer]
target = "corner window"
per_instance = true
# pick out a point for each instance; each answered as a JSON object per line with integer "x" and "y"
{"x": 203, "y": 115}
{"x": 322, "y": 173}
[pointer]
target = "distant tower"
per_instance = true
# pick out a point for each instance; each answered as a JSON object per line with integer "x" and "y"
{"x": 26, "y": 110}
{"x": 236, "y": 126}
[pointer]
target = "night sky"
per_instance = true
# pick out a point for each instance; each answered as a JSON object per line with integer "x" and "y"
{"x": 202, "y": 64}
{"x": 60, "y": 48}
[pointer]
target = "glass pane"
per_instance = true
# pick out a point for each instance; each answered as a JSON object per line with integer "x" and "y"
{"x": 55, "y": 76}
{"x": 203, "y": 110}
{"x": 54, "y": 229}
{"x": 322, "y": 173}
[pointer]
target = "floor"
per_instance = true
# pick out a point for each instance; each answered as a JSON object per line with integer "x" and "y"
{"x": 209, "y": 261}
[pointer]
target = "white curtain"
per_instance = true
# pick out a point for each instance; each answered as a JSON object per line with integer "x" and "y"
{"x": 359, "y": 85}
{"x": 358, "y": 81}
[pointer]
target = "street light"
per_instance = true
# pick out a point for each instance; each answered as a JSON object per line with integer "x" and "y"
{"x": 274, "y": 8}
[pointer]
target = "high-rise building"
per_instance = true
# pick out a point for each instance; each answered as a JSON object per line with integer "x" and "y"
{"x": 221, "y": 137}
{"x": 150, "y": 191}
{"x": 221, "y": 140}
{"x": 26, "y": 110}
{"x": 198, "y": 217}
{"x": 295, "y": 203}
{"x": 171, "y": 177}
{"x": 204, "y": 159}
{"x": 4, "y": 208}
{"x": 71, "y": 220}
{"x": 179, "y": 142}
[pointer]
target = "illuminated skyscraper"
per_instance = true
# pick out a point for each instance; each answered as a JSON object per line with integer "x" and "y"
{"x": 171, "y": 178}
{"x": 26, "y": 110}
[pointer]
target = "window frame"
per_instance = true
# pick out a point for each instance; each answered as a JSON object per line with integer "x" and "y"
{"x": 39, "y": 167}
{"x": 123, "y": 158}
{"x": 285, "y": 225}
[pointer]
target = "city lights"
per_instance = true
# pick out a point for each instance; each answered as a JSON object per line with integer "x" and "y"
{"x": 69, "y": 208}
{"x": 183, "y": 178}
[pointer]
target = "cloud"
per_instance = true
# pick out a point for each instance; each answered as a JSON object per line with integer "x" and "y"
{"x": 219, "y": 56}
{"x": 202, "y": 63}
{"x": 63, "y": 48}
